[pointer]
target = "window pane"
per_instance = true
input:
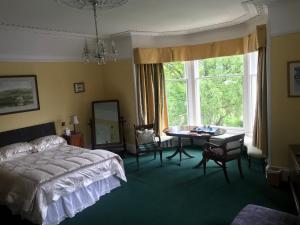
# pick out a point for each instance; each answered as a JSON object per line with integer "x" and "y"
{"x": 221, "y": 66}
{"x": 174, "y": 70}
{"x": 177, "y": 102}
{"x": 221, "y": 91}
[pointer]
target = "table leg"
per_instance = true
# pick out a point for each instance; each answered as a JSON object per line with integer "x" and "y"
{"x": 187, "y": 154}
{"x": 180, "y": 150}
{"x": 177, "y": 149}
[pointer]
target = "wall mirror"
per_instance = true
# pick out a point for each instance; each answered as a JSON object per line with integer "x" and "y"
{"x": 106, "y": 129}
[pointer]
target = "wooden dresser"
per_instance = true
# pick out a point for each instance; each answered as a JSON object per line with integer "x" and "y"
{"x": 75, "y": 139}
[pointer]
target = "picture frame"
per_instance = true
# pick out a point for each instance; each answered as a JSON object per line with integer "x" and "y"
{"x": 293, "y": 73}
{"x": 79, "y": 87}
{"x": 18, "y": 93}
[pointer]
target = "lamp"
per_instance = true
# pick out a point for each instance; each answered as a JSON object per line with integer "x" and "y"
{"x": 74, "y": 122}
{"x": 100, "y": 53}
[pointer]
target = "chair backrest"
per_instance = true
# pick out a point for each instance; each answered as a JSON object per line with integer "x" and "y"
{"x": 143, "y": 127}
{"x": 234, "y": 143}
{"x": 140, "y": 128}
{"x": 149, "y": 145}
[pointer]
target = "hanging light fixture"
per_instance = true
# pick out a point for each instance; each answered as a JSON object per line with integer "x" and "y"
{"x": 100, "y": 53}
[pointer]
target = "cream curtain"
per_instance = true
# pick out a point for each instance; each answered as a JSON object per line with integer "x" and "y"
{"x": 152, "y": 101}
{"x": 242, "y": 45}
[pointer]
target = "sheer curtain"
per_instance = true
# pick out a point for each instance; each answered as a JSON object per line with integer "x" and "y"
{"x": 151, "y": 95}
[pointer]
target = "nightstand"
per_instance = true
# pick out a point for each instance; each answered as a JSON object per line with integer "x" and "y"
{"x": 75, "y": 139}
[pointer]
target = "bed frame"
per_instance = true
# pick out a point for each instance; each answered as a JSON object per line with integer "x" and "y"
{"x": 27, "y": 133}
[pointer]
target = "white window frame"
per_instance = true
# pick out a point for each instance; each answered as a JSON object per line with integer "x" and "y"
{"x": 249, "y": 93}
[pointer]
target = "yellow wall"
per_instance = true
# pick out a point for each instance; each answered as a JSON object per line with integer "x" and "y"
{"x": 119, "y": 84}
{"x": 56, "y": 94}
{"x": 285, "y": 111}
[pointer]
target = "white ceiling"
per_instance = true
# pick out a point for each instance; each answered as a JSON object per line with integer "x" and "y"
{"x": 153, "y": 16}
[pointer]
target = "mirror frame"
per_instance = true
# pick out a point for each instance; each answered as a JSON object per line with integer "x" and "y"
{"x": 94, "y": 144}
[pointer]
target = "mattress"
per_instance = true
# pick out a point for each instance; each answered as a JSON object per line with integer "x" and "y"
{"x": 31, "y": 183}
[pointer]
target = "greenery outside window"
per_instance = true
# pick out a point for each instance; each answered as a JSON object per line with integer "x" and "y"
{"x": 176, "y": 88}
{"x": 217, "y": 91}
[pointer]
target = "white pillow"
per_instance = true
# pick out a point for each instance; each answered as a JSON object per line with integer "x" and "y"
{"x": 47, "y": 142}
{"x": 16, "y": 149}
{"x": 145, "y": 136}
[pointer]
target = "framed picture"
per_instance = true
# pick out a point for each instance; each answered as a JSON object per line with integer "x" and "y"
{"x": 294, "y": 78}
{"x": 18, "y": 94}
{"x": 79, "y": 87}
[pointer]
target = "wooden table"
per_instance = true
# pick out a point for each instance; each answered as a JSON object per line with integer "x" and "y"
{"x": 184, "y": 132}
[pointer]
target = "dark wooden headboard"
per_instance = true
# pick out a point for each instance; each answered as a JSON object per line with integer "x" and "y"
{"x": 26, "y": 134}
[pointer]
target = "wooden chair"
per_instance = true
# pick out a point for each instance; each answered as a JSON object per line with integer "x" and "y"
{"x": 229, "y": 149}
{"x": 151, "y": 145}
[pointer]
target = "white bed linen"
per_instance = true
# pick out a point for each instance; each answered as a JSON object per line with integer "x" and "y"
{"x": 69, "y": 205}
{"x": 29, "y": 184}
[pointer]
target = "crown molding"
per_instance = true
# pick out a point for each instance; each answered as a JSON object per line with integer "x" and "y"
{"x": 47, "y": 58}
{"x": 35, "y": 58}
{"x": 44, "y": 31}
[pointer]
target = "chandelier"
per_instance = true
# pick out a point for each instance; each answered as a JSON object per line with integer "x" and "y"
{"x": 100, "y": 53}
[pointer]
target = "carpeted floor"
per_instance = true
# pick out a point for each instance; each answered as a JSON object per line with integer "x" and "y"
{"x": 172, "y": 195}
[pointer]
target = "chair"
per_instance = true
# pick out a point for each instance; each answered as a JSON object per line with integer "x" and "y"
{"x": 254, "y": 153}
{"x": 229, "y": 149}
{"x": 146, "y": 141}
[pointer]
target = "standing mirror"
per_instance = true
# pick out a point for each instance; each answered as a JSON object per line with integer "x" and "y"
{"x": 106, "y": 131}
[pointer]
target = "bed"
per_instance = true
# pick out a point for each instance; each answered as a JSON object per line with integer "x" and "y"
{"x": 53, "y": 180}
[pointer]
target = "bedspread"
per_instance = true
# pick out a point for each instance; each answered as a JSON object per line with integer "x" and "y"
{"x": 30, "y": 183}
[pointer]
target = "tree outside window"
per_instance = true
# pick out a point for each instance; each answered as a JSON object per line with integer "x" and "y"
{"x": 176, "y": 88}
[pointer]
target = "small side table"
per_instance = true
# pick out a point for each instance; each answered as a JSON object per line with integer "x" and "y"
{"x": 75, "y": 139}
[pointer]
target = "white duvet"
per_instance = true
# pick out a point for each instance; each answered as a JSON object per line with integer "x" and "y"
{"x": 28, "y": 184}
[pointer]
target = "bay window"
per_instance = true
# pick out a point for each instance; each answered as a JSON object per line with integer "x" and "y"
{"x": 216, "y": 91}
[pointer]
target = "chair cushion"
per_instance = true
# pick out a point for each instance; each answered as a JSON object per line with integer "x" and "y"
{"x": 145, "y": 136}
{"x": 254, "y": 152}
{"x": 166, "y": 138}
{"x": 258, "y": 215}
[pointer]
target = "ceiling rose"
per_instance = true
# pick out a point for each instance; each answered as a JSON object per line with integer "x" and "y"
{"x": 88, "y": 4}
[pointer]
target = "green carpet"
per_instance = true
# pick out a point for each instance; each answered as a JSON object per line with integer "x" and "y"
{"x": 182, "y": 195}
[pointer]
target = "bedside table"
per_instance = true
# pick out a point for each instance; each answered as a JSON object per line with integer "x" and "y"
{"x": 75, "y": 139}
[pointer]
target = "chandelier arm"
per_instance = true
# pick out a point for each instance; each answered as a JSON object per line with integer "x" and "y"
{"x": 100, "y": 53}
{"x": 95, "y": 18}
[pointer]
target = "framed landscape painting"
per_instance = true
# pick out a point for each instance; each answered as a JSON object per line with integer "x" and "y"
{"x": 294, "y": 79}
{"x": 18, "y": 94}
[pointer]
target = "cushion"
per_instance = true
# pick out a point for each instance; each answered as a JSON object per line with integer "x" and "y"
{"x": 145, "y": 136}
{"x": 16, "y": 149}
{"x": 47, "y": 142}
{"x": 166, "y": 138}
{"x": 254, "y": 214}
{"x": 254, "y": 152}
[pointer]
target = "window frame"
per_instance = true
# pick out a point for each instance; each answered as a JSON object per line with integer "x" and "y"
{"x": 193, "y": 80}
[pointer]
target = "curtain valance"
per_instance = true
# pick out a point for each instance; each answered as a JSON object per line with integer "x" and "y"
{"x": 242, "y": 45}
